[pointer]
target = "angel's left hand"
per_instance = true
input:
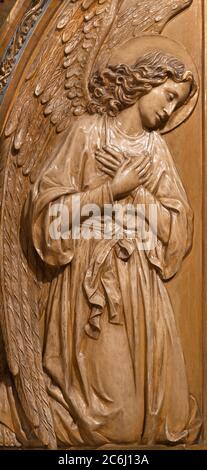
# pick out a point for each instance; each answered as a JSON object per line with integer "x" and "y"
{"x": 109, "y": 160}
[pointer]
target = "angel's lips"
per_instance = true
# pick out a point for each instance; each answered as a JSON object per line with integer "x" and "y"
{"x": 159, "y": 118}
{"x": 162, "y": 119}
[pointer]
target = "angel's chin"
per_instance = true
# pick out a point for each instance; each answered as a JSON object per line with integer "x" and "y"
{"x": 152, "y": 127}
{"x": 150, "y": 124}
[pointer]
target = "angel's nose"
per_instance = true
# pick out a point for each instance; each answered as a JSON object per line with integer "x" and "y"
{"x": 168, "y": 110}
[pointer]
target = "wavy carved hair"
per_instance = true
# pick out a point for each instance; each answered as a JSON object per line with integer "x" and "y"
{"x": 119, "y": 87}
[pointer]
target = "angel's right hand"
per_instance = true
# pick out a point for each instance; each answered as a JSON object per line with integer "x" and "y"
{"x": 130, "y": 176}
{"x": 109, "y": 160}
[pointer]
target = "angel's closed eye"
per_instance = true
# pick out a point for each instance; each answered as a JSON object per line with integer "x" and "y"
{"x": 171, "y": 96}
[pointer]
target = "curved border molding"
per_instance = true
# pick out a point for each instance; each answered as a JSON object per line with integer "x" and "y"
{"x": 19, "y": 41}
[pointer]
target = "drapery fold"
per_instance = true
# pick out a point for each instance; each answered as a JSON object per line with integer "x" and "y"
{"x": 112, "y": 355}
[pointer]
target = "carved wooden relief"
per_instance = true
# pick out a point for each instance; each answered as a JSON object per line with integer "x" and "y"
{"x": 101, "y": 258}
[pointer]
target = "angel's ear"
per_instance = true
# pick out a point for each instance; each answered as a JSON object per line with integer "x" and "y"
{"x": 147, "y": 87}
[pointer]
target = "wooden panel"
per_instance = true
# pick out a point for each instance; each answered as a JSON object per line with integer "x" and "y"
{"x": 186, "y": 142}
{"x": 187, "y": 145}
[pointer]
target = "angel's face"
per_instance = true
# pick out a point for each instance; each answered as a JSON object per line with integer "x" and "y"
{"x": 157, "y": 106}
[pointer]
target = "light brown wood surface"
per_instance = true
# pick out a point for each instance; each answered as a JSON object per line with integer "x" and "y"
{"x": 187, "y": 144}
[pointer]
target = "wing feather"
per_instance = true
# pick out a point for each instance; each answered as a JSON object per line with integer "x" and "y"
{"x": 137, "y": 17}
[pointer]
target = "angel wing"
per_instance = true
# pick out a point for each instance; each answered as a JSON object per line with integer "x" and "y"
{"x": 137, "y": 17}
{"x": 53, "y": 94}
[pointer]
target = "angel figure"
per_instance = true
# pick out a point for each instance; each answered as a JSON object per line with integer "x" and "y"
{"x": 92, "y": 352}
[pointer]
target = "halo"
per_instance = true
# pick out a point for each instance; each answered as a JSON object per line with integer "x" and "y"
{"x": 129, "y": 51}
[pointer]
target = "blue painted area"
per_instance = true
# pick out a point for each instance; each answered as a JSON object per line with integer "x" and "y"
{"x": 21, "y": 51}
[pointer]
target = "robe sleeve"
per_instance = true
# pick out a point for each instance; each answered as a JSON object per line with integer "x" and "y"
{"x": 57, "y": 183}
{"x": 174, "y": 214}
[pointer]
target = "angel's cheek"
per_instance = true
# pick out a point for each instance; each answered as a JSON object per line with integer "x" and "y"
{"x": 149, "y": 106}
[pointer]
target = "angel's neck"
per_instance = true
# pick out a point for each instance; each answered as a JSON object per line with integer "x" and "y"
{"x": 129, "y": 121}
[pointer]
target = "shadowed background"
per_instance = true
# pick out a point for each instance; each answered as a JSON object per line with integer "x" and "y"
{"x": 5, "y": 7}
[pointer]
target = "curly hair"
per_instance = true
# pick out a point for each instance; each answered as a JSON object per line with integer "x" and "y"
{"x": 119, "y": 87}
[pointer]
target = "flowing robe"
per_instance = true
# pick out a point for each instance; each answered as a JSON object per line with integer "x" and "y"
{"x": 113, "y": 361}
